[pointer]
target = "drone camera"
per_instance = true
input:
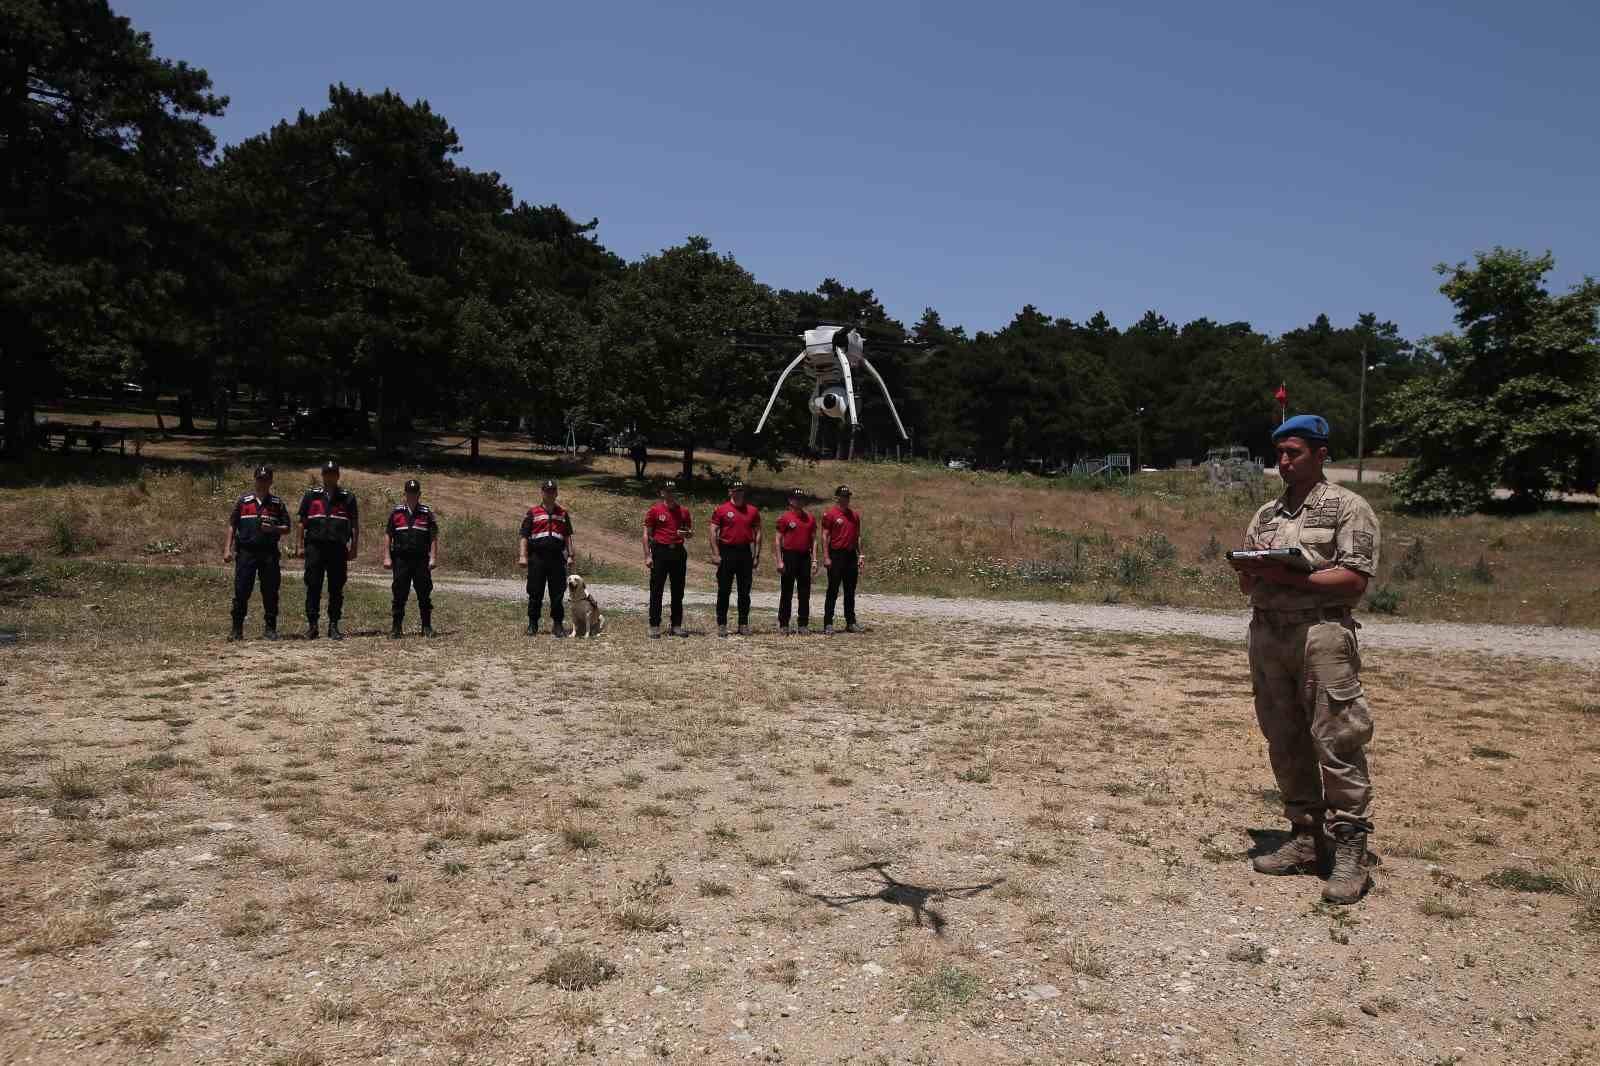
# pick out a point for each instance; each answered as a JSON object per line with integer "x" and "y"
{"x": 830, "y": 402}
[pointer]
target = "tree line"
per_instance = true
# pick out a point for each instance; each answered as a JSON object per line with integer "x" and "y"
{"x": 348, "y": 253}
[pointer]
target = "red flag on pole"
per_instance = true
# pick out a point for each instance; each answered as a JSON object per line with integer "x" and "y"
{"x": 1282, "y": 396}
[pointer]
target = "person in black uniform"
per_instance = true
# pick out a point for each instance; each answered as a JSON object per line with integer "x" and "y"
{"x": 259, "y": 518}
{"x": 544, "y": 547}
{"x": 411, "y": 550}
{"x": 330, "y": 536}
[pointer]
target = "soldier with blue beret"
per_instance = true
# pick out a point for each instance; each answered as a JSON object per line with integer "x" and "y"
{"x": 1305, "y": 661}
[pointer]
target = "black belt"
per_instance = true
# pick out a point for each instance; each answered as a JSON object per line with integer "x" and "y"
{"x": 1299, "y": 617}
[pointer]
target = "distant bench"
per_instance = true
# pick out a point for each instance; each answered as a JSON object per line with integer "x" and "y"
{"x": 95, "y": 438}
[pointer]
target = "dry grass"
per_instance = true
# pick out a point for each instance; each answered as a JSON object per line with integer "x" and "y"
{"x": 439, "y": 895}
{"x": 573, "y": 970}
{"x": 61, "y": 933}
{"x": 1150, "y": 541}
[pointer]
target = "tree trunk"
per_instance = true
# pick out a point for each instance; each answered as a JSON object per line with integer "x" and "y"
{"x": 688, "y": 460}
{"x": 185, "y": 411}
{"x": 477, "y": 431}
{"x": 19, "y": 405}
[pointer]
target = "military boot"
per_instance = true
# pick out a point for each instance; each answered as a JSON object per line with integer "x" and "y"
{"x": 270, "y": 633}
{"x": 1297, "y": 855}
{"x": 722, "y": 631}
{"x": 311, "y": 631}
{"x": 1349, "y": 880}
{"x": 558, "y": 630}
{"x": 744, "y": 631}
{"x": 427, "y": 628}
{"x": 533, "y": 629}
{"x": 655, "y": 632}
{"x": 333, "y": 631}
{"x": 237, "y": 632}
{"x": 394, "y": 630}
{"x": 853, "y": 628}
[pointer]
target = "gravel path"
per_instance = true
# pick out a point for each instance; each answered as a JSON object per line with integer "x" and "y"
{"x": 1581, "y": 646}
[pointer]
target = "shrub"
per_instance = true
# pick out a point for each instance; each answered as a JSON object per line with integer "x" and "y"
{"x": 1414, "y": 563}
{"x": 573, "y": 970}
{"x": 1132, "y": 569}
{"x": 70, "y": 533}
{"x": 1385, "y": 599}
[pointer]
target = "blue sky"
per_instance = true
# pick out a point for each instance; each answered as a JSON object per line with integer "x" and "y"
{"x": 1262, "y": 162}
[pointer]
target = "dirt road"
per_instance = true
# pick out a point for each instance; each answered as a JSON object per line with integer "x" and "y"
{"x": 1581, "y": 646}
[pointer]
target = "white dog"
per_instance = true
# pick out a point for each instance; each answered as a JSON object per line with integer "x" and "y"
{"x": 587, "y": 620}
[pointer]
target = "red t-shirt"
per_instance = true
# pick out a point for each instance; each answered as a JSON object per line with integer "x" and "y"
{"x": 842, "y": 527}
{"x": 794, "y": 530}
{"x": 735, "y": 524}
{"x": 667, "y": 525}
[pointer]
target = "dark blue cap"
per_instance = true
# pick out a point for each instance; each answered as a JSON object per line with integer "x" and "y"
{"x": 1311, "y": 427}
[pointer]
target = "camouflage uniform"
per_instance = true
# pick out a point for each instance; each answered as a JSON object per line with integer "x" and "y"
{"x": 1305, "y": 664}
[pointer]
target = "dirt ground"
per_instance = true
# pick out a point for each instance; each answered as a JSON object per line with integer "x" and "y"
{"x": 933, "y": 843}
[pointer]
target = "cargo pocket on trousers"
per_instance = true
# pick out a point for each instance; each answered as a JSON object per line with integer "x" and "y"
{"x": 1348, "y": 722}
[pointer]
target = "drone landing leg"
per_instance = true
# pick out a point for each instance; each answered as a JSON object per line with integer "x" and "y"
{"x": 778, "y": 387}
{"x": 887, "y": 398}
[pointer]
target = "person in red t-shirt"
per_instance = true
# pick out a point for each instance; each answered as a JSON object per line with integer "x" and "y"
{"x": 841, "y": 556}
{"x": 666, "y": 530}
{"x": 797, "y": 532}
{"x": 735, "y": 542}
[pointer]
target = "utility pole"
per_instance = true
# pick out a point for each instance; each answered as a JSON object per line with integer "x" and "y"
{"x": 1361, "y": 418}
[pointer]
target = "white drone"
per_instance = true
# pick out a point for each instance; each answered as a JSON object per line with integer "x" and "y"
{"x": 831, "y": 354}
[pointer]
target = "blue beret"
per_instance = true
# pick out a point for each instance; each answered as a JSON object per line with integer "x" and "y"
{"x": 1311, "y": 427}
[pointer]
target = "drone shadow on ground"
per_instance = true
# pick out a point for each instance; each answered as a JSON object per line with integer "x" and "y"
{"x": 915, "y": 898}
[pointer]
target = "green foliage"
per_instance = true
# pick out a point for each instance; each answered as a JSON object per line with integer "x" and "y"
{"x": 663, "y": 361}
{"x": 1518, "y": 401}
{"x": 1384, "y": 599}
{"x": 71, "y": 532}
{"x": 101, "y": 140}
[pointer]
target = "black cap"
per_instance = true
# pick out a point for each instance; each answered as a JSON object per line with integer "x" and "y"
{"x": 669, "y": 486}
{"x": 737, "y": 486}
{"x": 264, "y": 472}
{"x": 332, "y": 465}
{"x": 842, "y": 490}
{"x": 796, "y": 493}
{"x": 414, "y": 485}
{"x": 548, "y": 485}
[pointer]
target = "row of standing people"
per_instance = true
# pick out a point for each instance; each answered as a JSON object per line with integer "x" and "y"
{"x": 734, "y": 544}
{"x": 329, "y": 536}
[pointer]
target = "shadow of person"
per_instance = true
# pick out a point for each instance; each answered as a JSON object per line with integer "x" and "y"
{"x": 915, "y": 898}
{"x": 1266, "y": 841}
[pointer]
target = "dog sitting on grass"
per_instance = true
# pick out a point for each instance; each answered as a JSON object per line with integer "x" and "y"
{"x": 587, "y": 621}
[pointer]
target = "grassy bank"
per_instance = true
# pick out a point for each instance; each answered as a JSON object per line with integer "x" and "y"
{"x": 1156, "y": 540}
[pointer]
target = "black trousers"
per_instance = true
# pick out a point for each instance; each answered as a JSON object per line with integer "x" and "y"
{"x": 325, "y": 560}
{"x": 547, "y": 569}
{"x": 412, "y": 572}
{"x": 842, "y": 571}
{"x": 247, "y": 564}
{"x": 667, "y": 562}
{"x": 796, "y": 578}
{"x": 737, "y": 565}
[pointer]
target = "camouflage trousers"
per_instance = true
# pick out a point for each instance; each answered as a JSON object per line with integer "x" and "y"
{"x": 1314, "y": 714}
